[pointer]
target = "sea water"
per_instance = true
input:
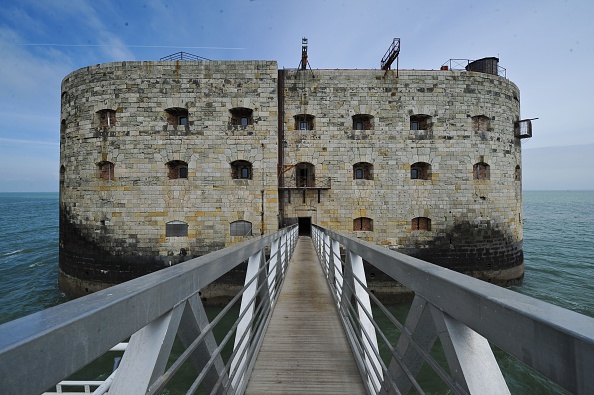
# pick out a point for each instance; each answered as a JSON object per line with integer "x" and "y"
{"x": 28, "y": 254}
{"x": 559, "y": 248}
{"x": 558, "y": 257}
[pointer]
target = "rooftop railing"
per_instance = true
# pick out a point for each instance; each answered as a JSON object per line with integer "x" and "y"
{"x": 183, "y": 56}
{"x": 462, "y": 64}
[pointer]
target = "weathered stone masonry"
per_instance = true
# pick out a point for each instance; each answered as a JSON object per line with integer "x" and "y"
{"x": 114, "y": 230}
{"x": 475, "y": 225}
{"x": 425, "y": 163}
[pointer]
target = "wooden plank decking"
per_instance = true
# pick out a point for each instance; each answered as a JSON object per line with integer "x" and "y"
{"x": 305, "y": 350}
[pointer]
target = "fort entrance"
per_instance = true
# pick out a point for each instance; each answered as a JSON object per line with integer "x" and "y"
{"x": 304, "y": 226}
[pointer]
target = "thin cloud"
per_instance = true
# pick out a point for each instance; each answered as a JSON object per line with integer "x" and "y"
{"x": 115, "y": 48}
{"x": 127, "y": 46}
{"x": 31, "y": 142}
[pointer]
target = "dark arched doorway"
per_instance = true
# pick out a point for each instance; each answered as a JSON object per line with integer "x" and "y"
{"x": 305, "y": 226}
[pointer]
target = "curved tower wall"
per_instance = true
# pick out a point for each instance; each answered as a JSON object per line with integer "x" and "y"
{"x": 475, "y": 225}
{"x": 114, "y": 227}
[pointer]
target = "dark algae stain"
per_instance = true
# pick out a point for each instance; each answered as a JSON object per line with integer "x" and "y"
{"x": 471, "y": 248}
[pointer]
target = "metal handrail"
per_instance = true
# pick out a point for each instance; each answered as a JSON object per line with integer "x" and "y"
{"x": 51, "y": 345}
{"x": 461, "y": 64}
{"x": 466, "y": 314}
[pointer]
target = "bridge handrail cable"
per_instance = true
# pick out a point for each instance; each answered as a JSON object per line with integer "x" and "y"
{"x": 464, "y": 313}
{"x": 51, "y": 345}
{"x": 349, "y": 309}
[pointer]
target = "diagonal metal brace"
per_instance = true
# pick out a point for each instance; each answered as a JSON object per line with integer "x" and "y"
{"x": 193, "y": 322}
{"x": 146, "y": 356}
{"x": 421, "y": 330}
{"x": 469, "y": 355}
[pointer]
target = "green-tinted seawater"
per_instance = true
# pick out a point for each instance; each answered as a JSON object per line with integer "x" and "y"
{"x": 28, "y": 254}
{"x": 559, "y": 248}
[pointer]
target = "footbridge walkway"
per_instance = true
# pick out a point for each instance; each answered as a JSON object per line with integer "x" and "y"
{"x": 304, "y": 322}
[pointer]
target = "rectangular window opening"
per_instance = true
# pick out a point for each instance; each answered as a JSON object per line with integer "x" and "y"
{"x": 241, "y": 228}
{"x": 176, "y": 229}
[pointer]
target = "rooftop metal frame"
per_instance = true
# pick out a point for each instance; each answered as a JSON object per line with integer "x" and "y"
{"x": 183, "y": 56}
{"x": 391, "y": 55}
{"x": 461, "y": 64}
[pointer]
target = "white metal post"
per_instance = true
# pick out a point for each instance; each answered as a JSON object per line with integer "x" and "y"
{"x": 193, "y": 324}
{"x": 284, "y": 251}
{"x": 244, "y": 325}
{"x": 337, "y": 265}
{"x": 273, "y": 277}
{"x": 370, "y": 345}
{"x": 326, "y": 256}
{"x": 146, "y": 356}
{"x": 469, "y": 356}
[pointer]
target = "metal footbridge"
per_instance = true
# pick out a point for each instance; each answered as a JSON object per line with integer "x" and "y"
{"x": 304, "y": 323}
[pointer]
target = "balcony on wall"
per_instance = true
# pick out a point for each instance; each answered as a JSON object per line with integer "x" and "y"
{"x": 293, "y": 182}
{"x": 304, "y": 183}
{"x": 302, "y": 176}
{"x": 523, "y": 128}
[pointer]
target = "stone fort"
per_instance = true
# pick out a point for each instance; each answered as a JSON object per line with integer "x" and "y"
{"x": 162, "y": 161}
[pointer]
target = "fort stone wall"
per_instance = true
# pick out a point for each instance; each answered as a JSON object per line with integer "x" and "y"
{"x": 121, "y": 187}
{"x": 164, "y": 161}
{"x": 450, "y": 215}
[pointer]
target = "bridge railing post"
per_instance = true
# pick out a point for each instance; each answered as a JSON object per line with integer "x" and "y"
{"x": 336, "y": 266}
{"x": 194, "y": 323}
{"x": 274, "y": 268}
{"x": 150, "y": 311}
{"x": 469, "y": 356}
{"x": 368, "y": 334}
{"x": 317, "y": 240}
{"x": 243, "y": 329}
{"x": 315, "y": 237}
{"x": 468, "y": 316}
{"x": 247, "y": 344}
{"x": 348, "y": 283}
{"x": 327, "y": 254}
{"x": 285, "y": 250}
{"x": 346, "y": 286}
{"x": 146, "y": 355}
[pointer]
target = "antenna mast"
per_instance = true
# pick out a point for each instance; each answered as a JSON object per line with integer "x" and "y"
{"x": 303, "y": 64}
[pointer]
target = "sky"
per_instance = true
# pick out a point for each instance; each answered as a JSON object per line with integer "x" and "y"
{"x": 546, "y": 46}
